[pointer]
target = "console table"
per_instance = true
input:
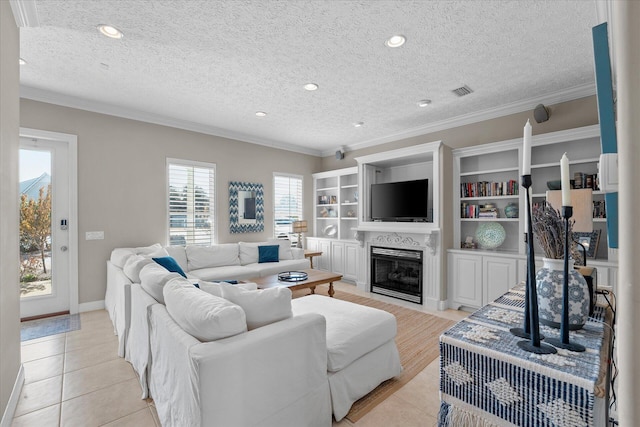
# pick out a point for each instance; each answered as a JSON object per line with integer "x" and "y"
{"x": 486, "y": 379}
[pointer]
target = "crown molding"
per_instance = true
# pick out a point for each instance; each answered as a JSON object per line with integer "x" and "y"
{"x": 35, "y": 94}
{"x": 25, "y": 13}
{"x": 570, "y": 94}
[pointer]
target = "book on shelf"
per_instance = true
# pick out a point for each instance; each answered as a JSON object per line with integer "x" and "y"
{"x": 478, "y": 211}
{"x": 488, "y": 189}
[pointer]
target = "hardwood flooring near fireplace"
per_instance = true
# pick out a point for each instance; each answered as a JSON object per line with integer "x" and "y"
{"x": 76, "y": 378}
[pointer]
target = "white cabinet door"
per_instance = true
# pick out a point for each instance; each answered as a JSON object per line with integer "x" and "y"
{"x": 465, "y": 275}
{"x": 350, "y": 261}
{"x": 312, "y": 244}
{"x": 323, "y": 262}
{"x": 498, "y": 276}
{"x": 337, "y": 257}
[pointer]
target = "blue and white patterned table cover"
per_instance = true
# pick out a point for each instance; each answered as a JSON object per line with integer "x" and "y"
{"x": 487, "y": 380}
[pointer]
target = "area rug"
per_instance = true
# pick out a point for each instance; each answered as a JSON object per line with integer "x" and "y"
{"x": 39, "y": 328}
{"x": 417, "y": 342}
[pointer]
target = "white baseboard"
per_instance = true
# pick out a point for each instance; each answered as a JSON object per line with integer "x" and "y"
{"x": 10, "y": 410}
{"x": 91, "y": 306}
{"x": 443, "y": 305}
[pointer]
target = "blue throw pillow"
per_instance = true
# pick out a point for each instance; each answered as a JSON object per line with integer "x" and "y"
{"x": 268, "y": 253}
{"x": 170, "y": 264}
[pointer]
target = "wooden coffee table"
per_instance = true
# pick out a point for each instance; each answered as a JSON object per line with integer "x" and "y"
{"x": 316, "y": 277}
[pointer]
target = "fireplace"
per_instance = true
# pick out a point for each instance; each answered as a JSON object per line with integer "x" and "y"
{"x": 397, "y": 273}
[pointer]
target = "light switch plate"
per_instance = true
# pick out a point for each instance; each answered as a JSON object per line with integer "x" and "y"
{"x": 94, "y": 235}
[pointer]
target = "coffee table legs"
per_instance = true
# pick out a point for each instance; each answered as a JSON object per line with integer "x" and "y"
{"x": 313, "y": 289}
{"x": 331, "y": 291}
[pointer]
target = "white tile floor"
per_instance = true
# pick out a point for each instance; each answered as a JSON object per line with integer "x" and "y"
{"x": 77, "y": 379}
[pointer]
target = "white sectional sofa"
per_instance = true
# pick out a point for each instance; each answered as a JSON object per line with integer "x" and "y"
{"x": 229, "y": 261}
{"x": 260, "y": 360}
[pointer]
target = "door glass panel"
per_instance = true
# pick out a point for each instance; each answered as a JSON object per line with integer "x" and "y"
{"x": 35, "y": 223}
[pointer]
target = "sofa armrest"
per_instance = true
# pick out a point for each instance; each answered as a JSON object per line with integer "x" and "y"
{"x": 297, "y": 253}
{"x": 118, "y": 303}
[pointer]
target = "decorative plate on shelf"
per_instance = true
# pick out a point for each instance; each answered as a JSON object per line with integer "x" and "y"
{"x": 330, "y": 230}
{"x": 490, "y": 235}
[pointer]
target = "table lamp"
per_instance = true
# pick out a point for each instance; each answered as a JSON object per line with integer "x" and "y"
{"x": 300, "y": 227}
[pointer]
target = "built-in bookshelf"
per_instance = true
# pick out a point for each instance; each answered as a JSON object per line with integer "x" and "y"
{"x": 336, "y": 203}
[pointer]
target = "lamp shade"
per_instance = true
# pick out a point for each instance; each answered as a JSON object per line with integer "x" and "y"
{"x": 582, "y": 202}
{"x": 300, "y": 226}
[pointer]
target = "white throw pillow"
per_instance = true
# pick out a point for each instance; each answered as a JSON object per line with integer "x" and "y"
{"x": 153, "y": 278}
{"x": 119, "y": 256}
{"x": 249, "y": 252}
{"x": 134, "y": 265}
{"x": 179, "y": 254}
{"x": 147, "y": 250}
{"x": 263, "y": 306}
{"x": 212, "y": 256}
{"x": 285, "y": 248}
{"x": 203, "y": 316}
{"x": 214, "y": 288}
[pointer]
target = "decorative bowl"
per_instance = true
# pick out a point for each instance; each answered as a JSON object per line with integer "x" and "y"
{"x": 556, "y": 184}
{"x": 330, "y": 230}
{"x": 490, "y": 235}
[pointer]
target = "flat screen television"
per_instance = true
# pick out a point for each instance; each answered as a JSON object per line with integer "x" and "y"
{"x": 400, "y": 201}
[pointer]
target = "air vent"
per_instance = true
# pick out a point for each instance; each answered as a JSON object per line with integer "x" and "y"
{"x": 462, "y": 91}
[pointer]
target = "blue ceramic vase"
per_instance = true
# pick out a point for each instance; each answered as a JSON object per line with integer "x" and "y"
{"x": 549, "y": 284}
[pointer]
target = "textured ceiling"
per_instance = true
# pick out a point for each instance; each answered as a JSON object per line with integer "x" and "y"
{"x": 210, "y": 65}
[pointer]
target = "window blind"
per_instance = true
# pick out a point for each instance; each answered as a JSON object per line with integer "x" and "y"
{"x": 191, "y": 202}
{"x": 287, "y": 204}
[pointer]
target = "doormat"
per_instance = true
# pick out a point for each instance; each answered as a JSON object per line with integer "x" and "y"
{"x": 39, "y": 328}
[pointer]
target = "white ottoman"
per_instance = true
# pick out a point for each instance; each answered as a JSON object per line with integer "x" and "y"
{"x": 361, "y": 351}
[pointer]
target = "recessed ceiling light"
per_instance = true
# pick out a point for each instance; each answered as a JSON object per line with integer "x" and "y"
{"x": 424, "y": 103}
{"x": 311, "y": 86}
{"x": 260, "y": 113}
{"x": 22, "y": 61}
{"x": 110, "y": 31}
{"x": 358, "y": 124}
{"x": 395, "y": 41}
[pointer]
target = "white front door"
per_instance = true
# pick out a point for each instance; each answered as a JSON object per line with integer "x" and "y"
{"x": 48, "y": 285}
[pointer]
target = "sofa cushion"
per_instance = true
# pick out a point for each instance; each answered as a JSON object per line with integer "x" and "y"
{"x": 266, "y": 269}
{"x": 353, "y": 330}
{"x": 202, "y": 315}
{"x": 214, "y": 288}
{"x": 232, "y": 272}
{"x": 249, "y": 252}
{"x": 133, "y": 266}
{"x": 261, "y": 307}
{"x": 268, "y": 253}
{"x": 153, "y": 278}
{"x": 179, "y": 254}
{"x": 170, "y": 264}
{"x": 212, "y": 256}
{"x": 284, "y": 252}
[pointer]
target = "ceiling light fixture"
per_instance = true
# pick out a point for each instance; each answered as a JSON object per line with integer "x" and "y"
{"x": 260, "y": 113}
{"x": 358, "y": 124}
{"x": 22, "y": 61}
{"x": 110, "y": 31}
{"x": 395, "y": 41}
{"x": 311, "y": 86}
{"x": 424, "y": 103}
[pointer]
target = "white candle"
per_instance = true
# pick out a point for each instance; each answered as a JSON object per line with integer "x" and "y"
{"x": 566, "y": 184}
{"x": 526, "y": 150}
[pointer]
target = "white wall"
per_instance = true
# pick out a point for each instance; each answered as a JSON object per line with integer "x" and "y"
{"x": 9, "y": 256}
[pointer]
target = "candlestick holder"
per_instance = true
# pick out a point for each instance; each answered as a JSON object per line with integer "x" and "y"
{"x": 563, "y": 341}
{"x": 531, "y": 294}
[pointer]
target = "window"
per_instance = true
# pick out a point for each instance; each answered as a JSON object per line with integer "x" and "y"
{"x": 287, "y": 204}
{"x": 191, "y": 192}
